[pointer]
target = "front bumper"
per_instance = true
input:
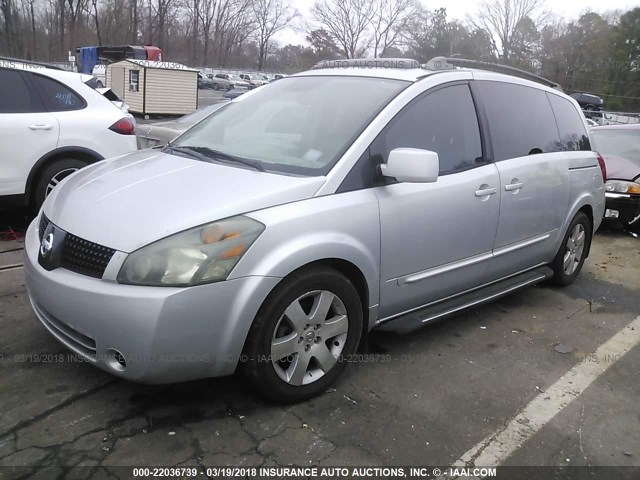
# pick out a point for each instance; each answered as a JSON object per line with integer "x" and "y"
{"x": 627, "y": 207}
{"x": 164, "y": 334}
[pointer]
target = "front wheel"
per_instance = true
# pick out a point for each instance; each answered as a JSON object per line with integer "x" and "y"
{"x": 573, "y": 251}
{"x": 303, "y": 335}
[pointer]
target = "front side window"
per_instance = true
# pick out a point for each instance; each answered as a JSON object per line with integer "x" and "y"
{"x": 301, "y": 125}
{"x": 57, "y": 97}
{"x": 16, "y": 96}
{"x": 573, "y": 135}
{"x": 520, "y": 120}
{"x": 443, "y": 121}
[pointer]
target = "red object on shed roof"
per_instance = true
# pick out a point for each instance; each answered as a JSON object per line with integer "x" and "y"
{"x": 153, "y": 53}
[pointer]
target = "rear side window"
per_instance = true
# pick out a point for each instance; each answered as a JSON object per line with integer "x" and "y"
{"x": 56, "y": 96}
{"x": 573, "y": 135}
{"x": 443, "y": 121}
{"x": 520, "y": 120}
{"x": 16, "y": 96}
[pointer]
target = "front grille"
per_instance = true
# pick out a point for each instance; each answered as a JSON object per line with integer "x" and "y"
{"x": 85, "y": 257}
{"x": 44, "y": 223}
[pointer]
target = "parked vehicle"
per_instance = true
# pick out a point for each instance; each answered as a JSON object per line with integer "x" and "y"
{"x": 599, "y": 118}
{"x": 53, "y": 124}
{"x": 206, "y": 82}
{"x": 234, "y": 79}
{"x": 272, "y": 236}
{"x": 253, "y": 79}
{"x": 588, "y": 101}
{"x": 220, "y": 83}
{"x": 161, "y": 133}
{"x": 620, "y": 147}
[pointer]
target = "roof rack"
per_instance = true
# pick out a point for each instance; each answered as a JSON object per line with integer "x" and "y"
{"x": 446, "y": 63}
{"x": 5, "y": 60}
{"x": 404, "y": 63}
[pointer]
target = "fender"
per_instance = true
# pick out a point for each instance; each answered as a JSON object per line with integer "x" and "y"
{"x": 72, "y": 151}
{"x": 342, "y": 227}
{"x": 586, "y": 199}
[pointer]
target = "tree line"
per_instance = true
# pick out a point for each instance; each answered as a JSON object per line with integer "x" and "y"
{"x": 596, "y": 53}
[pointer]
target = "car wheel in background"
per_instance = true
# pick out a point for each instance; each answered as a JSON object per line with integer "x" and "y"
{"x": 215, "y": 86}
{"x": 52, "y": 175}
{"x": 573, "y": 251}
{"x": 303, "y": 335}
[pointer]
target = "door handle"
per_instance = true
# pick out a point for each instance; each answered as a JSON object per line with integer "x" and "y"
{"x": 486, "y": 191}
{"x": 40, "y": 127}
{"x": 513, "y": 186}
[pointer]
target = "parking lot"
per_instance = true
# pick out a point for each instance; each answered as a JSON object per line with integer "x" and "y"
{"x": 525, "y": 380}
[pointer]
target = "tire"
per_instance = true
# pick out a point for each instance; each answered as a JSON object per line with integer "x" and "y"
{"x": 285, "y": 327}
{"x": 589, "y": 107}
{"x": 52, "y": 175}
{"x": 573, "y": 251}
{"x": 215, "y": 86}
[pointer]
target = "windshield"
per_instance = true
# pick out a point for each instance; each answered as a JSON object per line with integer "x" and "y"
{"x": 621, "y": 143}
{"x": 234, "y": 77}
{"x": 198, "y": 115}
{"x": 300, "y": 125}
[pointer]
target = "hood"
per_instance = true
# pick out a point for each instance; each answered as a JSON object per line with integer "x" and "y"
{"x": 621, "y": 168}
{"x": 128, "y": 202}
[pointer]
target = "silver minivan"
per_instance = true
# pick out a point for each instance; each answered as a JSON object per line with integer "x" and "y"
{"x": 273, "y": 236}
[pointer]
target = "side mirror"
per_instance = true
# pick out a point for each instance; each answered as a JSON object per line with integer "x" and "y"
{"x": 412, "y": 165}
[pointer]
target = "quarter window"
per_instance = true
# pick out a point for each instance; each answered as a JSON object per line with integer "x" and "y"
{"x": 56, "y": 96}
{"x": 520, "y": 119}
{"x": 573, "y": 135}
{"x": 443, "y": 121}
{"x": 16, "y": 96}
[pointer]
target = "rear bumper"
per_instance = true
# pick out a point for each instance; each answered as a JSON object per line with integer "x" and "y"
{"x": 627, "y": 207}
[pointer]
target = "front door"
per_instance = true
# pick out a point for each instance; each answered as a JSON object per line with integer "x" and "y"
{"x": 436, "y": 238}
{"x": 27, "y": 131}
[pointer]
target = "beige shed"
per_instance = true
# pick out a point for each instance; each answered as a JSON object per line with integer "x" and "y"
{"x": 154, "y": 88}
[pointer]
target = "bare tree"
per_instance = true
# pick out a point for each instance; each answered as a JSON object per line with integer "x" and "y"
{"x": 271, "y": 17}
{"x": 96, "y": 20}
{"x": 346, "y": 22}
{"x": 389, "y": 22}
{"x": 502, "y": 18}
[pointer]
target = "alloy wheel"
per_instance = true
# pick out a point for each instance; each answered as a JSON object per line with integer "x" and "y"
{"x": 309, "y": 337}
{"x": 574, "y": 249}
{"x": 57, "y": 178}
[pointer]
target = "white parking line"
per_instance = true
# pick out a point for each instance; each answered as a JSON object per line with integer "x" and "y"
{"x": 497, "y": 447}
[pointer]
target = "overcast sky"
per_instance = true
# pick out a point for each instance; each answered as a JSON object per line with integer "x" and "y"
{"x": 458, "y": 9}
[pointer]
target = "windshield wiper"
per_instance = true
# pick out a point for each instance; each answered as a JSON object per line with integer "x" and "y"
{"x": 168, "y": 148}
{"x": 209, "y": 153}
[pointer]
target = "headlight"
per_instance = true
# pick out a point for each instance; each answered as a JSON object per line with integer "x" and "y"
{"x": 620, "y": 186}
{"x": 203, "y": 254}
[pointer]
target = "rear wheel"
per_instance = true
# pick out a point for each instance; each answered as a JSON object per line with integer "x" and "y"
{"x": 572, "y": 253}
{"x": 303, "y": 335}
{"x": 52, "y": 175}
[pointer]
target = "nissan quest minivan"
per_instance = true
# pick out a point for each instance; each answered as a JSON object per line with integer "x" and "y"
{"x": 272, "y": 236}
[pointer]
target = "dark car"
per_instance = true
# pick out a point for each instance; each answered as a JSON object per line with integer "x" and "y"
{"x": 620, "y": 147}
{"x": 204, "y": 82}
{"x": 587, "y": 101}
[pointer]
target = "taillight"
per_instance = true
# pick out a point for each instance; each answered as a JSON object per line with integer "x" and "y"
{"x": 124, "y": 126}
{"x": 603, "y": 167}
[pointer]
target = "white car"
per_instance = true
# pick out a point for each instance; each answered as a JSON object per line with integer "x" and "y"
{"x": 52, "y": 124}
